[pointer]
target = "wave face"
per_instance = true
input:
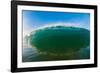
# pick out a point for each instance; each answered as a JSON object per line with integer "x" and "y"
{"x": 60, "y": 39}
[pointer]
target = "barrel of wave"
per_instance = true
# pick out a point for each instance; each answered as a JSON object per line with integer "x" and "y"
{"x": 60, "y": 42}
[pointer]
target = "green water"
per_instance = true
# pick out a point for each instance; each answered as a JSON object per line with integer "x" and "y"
{"x": 58, "y": 43}
{"x": 60, "y": 39}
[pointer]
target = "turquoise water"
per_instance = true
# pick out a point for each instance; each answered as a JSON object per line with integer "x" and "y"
{"x": 58, "y": 43}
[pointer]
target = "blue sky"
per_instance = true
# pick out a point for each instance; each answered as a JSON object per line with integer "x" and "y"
{"x": 35, "y": 19}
